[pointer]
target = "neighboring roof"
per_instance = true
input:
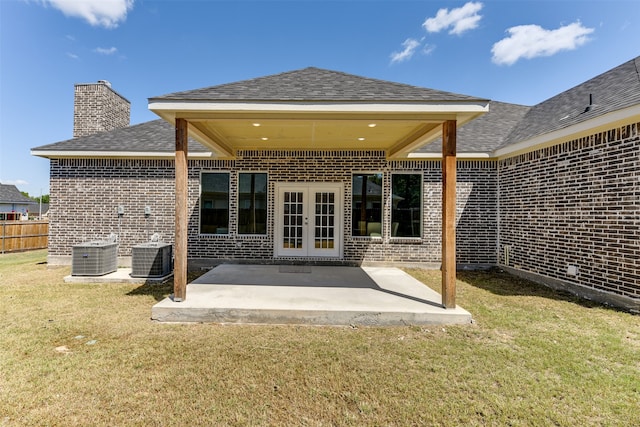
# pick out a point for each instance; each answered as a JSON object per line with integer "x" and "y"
{"x": 315, "y": 84}
{"x": 611, "y": 91}
{"x": 156, "y": 136}
{"x": 11, "y": 194}
{"x": 487, "y": 132}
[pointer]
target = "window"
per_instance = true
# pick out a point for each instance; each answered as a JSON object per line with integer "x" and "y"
{"x": 214, "y": 203}
{"x": 252, "y": 203}
{"x": 406, "y": 205}
{"x": 366, "y": 204}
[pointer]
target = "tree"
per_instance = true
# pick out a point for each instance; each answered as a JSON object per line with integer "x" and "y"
{"x": 45, "y": 197}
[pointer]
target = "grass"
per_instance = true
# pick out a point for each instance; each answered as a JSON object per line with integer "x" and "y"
{"x": 81, "y": 354}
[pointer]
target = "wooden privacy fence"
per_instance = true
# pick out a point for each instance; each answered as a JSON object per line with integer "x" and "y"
{"x": 23, "y": 235}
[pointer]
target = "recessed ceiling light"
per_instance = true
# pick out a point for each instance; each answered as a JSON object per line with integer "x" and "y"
{"x": 372, "y": 125}
{"x": 256, "y": 124}
{"x": 361, "y": 139}
{"x": 264, "y": 138}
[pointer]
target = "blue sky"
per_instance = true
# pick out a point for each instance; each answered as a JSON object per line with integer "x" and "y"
{"x": 512, "y": 51}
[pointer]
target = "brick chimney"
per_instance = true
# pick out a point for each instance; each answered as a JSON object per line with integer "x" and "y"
{"x": 98, "y": 108}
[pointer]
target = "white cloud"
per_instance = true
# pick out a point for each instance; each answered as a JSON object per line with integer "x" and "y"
{"x": 531, "y": 41}
{"x": 98, "y": 13}
{"x": 105, "y": 50}
{"x": 72, "y": 55}
{"x": 461, "y": 19}
{"x": 428, "y": 49}
{"x": 410, "y": 46}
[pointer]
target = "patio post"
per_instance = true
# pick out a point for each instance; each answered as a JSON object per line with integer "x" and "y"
{"x": 449, "y": 214}
{"x": 182, "y": 218}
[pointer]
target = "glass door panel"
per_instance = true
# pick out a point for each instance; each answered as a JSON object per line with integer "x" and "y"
{"x": 309, "y": 220}
{"x": 293, "y": 220}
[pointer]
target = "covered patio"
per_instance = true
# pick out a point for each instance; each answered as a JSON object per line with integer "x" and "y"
{"x": 309, "y": 295}
{"x": 313, "y": 109}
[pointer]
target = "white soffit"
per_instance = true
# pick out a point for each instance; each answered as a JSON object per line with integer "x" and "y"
{"x": 195, "y": 112}
{"x": 61, "y": 154}
{"x": 436, "y": 156}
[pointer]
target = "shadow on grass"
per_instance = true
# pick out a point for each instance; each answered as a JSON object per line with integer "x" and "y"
{"x": 160, "y": 291}
{"x": 499, "y": 282}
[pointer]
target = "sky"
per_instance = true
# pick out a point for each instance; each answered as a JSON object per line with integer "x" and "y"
{"x": 521, "y": 52}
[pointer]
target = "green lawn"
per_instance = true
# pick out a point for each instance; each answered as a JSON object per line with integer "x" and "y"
{"x": 88, "y": 355}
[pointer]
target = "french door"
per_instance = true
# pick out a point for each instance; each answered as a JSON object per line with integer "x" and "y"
{"x": 309, "y": 220}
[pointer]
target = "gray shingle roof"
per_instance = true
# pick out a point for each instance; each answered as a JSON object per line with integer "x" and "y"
{"x": 503, "y": 125}
{"x": 11, "y": 194}
{"x": 487, "y": 132}
{"x": 315, "y": 84}
{"x": 156, "y": 136}
{"x": 613, "y": 90}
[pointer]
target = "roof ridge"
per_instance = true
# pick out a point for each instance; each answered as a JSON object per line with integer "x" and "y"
{"x": 315, "y": 84}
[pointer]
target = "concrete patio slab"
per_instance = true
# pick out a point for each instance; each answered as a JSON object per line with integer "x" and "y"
{"x": 313, "y": 295}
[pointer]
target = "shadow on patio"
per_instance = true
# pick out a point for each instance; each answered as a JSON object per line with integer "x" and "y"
{"x": 317, "y": 295}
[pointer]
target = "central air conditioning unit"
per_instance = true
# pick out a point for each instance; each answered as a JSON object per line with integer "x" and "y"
{"x": 95, "y": 258}
{"x": 151, "y": 259}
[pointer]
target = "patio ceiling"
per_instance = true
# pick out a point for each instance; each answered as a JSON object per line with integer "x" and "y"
{"x": 397, "y": 129}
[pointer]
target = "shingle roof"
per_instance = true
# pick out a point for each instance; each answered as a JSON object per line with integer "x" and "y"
{"x": 503, "y": 125}
{"x": 11, "y": 194}
{"x": 315, "y": 84}
{"x": 487, "y": 132}
{"x": 156, "y": 136}
{"x": 613, "y": 90}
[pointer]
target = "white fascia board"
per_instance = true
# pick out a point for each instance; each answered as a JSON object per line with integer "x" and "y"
{"x": 51, "y": 154}
{"x": 163, "y": 107}
{"x": 437, "y": 156}
{"x": 579, "y": 130}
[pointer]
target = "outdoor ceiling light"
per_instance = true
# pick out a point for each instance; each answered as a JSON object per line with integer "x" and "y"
{"x": 372, "y": 125}
{"x": 256, "y": 124}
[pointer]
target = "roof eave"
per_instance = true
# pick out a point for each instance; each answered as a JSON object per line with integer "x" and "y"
{"x": 62, "y": 154}
{"x": 588, "y": 127}
{"x": 438, "y": 156}
{"x": 461, "y": 111}
{"x": 163, "y": 107}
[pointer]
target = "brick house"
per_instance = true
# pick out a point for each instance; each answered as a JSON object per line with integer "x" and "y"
{"x": 321, "y": 166}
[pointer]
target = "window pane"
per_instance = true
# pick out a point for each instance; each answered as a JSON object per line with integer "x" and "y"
{"x": 252, "y": 203}
{"x": 214, "y": 203}
{"x": 406, "y": 206}
{"x": 366, "y": 203}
